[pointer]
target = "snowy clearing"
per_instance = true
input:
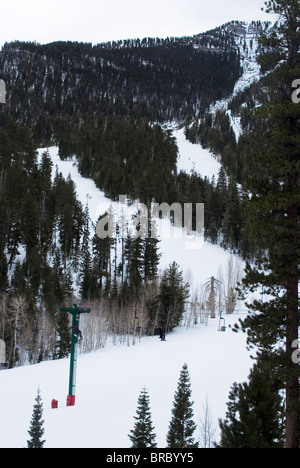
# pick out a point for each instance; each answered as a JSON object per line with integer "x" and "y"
{"x": 110, "y": 380}
{"x": 196, "y": 158}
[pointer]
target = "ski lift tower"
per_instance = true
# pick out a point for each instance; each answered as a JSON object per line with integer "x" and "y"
{"x": 76, "y": 334}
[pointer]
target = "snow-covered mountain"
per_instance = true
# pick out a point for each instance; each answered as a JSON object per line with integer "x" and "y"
{"x": 110, "y": 379}
{"x": 246, "y": 39}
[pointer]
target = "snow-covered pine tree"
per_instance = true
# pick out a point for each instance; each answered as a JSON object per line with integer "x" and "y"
{"x": 182, "y": 426}
{"x": 142, "y": 436}
{"x": 36, "y": 430}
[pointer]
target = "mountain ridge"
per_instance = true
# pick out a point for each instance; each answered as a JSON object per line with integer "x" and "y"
{"x": 157, "y": 79}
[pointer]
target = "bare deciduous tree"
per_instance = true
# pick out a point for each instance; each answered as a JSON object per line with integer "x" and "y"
{"x": 230, "y": 279}
{"x": 207, "y": 428}
{"x": 17, "y": 309}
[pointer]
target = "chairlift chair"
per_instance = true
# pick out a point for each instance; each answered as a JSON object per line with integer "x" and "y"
{"x": 222, "y": 328}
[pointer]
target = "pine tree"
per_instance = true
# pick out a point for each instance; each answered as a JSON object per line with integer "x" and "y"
{"x": 134, "y": 258}
{"x": 254, "y": 418}
{"x": 87, "y": 289}
{"x": 142, "y": 436}
{"x": 102, "y": 255}
{"x": 36, "y": 430}
{"x": 232, "y": 219}
{"x": 63, "y": 331}
{"x": 182, "y": 426}
{"x": 151, "y": 255}
{"x": 173, "y": 294}
{"x": 89, "y": 286}
{"x": 3, "y": 272}
{"x": 273, "y": 211}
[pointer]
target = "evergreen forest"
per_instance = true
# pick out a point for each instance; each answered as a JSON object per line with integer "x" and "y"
{"x": 110, "y": 106}
{"x": 106, "y": 104}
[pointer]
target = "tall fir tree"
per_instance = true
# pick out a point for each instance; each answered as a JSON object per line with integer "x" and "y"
{"x": 273, "y": 210}
{"x": 64, "y": 334}
{"x": 143, "y": 436}
{"x": 102, "y": 255}
{"x": 151, "y": 255}
{"x": 36, "y": 430}
{"x": 89, "y": 284}
{"x": 133, "y": 254}
{"x": 182, "y": 427}
{"x": 172, "y": 295}
{"x": 255, "y": 414}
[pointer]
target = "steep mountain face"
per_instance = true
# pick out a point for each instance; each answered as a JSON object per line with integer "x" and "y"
{"x": 223, "y": 126}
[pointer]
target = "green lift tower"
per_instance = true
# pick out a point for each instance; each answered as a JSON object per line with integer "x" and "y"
{"x": 76, "y": 335}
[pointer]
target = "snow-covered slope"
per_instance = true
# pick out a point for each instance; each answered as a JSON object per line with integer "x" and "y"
{"x": 195, "y": 158}
{"x": 200, "y": 264}
{"x": 110, "y": 380}
{"x": 248, "y": 46}
{"x": 247, "y": 42}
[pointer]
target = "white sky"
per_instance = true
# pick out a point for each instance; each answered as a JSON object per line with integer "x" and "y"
{"x": 104, "y": 20}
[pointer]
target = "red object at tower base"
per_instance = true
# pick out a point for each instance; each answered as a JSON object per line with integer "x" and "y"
{"x": 71, "y": 400}
{"x": 54, "y": 404}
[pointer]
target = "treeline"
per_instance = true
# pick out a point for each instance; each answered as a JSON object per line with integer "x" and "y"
{"x": 139, "y": 160}
{"x": 213, "y": 130}
{"x": 163, "y": 82}
{"x": 46, "y": 252}
{"x": 41, "y": 228}
{"x": 123, "y": 157}
{"x": 96, "y": 103}
{"x": 49, "y": 254}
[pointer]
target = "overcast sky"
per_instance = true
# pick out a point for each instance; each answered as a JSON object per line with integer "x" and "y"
{"x": 104, "y": 20}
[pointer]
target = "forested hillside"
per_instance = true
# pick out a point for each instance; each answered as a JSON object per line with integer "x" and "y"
{"x": 112, "y": 114}
{"x": 106, "y": 105}
{"x": 153, "y": 80}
